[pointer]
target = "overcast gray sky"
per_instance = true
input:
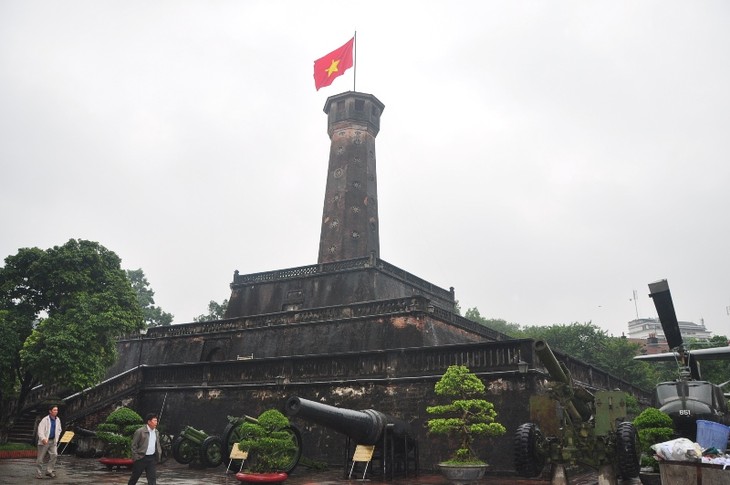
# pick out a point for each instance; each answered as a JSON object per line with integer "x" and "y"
{"x": 544, "y": 158}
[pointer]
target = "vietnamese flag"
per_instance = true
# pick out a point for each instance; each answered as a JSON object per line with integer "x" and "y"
{"x": 334, "y": 64}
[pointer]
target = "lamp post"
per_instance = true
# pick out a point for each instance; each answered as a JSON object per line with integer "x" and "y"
{"x": 522, "y": 368}
{"x": 142, "y": 333}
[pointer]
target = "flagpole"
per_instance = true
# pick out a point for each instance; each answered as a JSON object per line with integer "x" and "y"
{"x": 354, "y": 62}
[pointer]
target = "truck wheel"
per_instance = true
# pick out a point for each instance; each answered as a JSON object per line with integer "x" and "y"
{"x": 529, "y": 462}
{"x": 628, "y": 451}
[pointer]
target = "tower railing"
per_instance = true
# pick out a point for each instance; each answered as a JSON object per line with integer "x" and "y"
{"x": 337, "y": 266}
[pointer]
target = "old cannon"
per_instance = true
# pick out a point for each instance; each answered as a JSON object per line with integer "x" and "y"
{"x": 192, "y": 444}
{"x": 591, "y": 429}
{"x": 232, "y": 436}
{"x": 395, "y": 446}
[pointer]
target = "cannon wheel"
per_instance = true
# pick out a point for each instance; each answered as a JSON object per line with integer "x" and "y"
{"x": 529, "y": 462}
{"x": 166, "y": 445}
{"x": 296, "y": 454}
{"x": 211, "y": 451}
{"x": 627, "y": 450}
{"x": 232, "y": 436}
{"x": 183, "y": 450}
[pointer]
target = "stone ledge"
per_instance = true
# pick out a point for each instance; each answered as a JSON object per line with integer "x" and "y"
{"x": 18, "y": 454}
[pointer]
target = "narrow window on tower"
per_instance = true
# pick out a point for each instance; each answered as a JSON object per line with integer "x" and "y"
{"x": 359, "y": 105}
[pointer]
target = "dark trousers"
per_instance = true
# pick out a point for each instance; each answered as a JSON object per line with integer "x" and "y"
{"x": 148, "y": 464}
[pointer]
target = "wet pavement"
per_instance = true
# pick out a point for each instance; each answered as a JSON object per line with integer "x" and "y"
{"x": 88, "y": 471}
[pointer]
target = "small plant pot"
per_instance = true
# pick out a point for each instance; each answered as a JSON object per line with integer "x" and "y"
{"x": 116, "y": 462}
{"x": 262, "y": 477}
{"x": 462, "y": 474}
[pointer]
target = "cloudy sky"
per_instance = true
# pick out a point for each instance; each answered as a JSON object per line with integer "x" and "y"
{"x": 544, "y": 158}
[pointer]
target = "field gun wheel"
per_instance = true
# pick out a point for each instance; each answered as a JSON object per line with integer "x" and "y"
{"x": 183, "y": 450}
{"x": 628, "y": 451}
{"x": 296, "y": 437}
{"x": 231, "y": 437}
{"x": 211, "y": 451}
{"x": 529, "y": 462}
{"x": 166, "y": 446}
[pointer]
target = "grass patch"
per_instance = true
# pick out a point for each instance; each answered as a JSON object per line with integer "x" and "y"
{"x": 16, "y": 447}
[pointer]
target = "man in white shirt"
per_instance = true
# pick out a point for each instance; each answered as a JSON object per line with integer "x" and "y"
{"x": 146, "y": 451}
{"x": 49, "y": 432}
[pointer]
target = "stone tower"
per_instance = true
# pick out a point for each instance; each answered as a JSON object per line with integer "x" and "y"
{"x": 349, "y": 269}
{"x": 350, "y": 214}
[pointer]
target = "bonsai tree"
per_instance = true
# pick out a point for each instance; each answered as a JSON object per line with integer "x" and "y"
{"x": 466, "y": 416}
{"x": 653, "y": 426}
{"x": 268, "y": 441}
{"x": 117, "y": 430}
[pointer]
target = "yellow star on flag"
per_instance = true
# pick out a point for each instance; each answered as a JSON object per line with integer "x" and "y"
{"x": 333, "y": 67}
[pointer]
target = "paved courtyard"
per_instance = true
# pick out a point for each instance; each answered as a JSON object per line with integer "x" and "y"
{"x": 88, "y": 471}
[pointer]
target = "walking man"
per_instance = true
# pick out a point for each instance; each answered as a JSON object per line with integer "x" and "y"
{"x": 49, "y": 432}
{"x": 146, "y": 451}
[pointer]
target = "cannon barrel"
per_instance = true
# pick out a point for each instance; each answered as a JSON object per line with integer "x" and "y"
{"x": 578, "y": 406}
{"x": 365, "y": 427}
{"x": 195, "y": 435}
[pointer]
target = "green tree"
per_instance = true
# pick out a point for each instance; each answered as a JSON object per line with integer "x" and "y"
{"x": 617, "y": 358}
{"x": 715, "y": 371}
{"x": 467, "y": 416}
{"x": 268, "y": 441}
{"x": 61, "y": 312}
{"x": 216, "y": 311}
{"x": 511, "y": 329}
{"x": 584, "y": 341}
{"x": 591, "y": 344}
{"x": 153, "y": 315}
{"x": 117, "y": 431}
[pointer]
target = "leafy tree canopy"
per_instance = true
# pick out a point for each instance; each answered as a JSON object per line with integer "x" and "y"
{"x": 586, "y": 342}
{"x": 511, "y": 329}
{"x": 153, "y": 315}
{"x": 61, "y": 312}
{"x": 715, "y": 371}
{"x": 216, "y": 311}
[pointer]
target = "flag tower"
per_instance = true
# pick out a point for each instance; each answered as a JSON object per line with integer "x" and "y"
{"x": 350, "y": 226}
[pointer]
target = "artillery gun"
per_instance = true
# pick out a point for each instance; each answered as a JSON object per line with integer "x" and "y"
{"x": 192, "y": 444}
{"x": 591, "y": 430}
{"x": 394, "y": 444}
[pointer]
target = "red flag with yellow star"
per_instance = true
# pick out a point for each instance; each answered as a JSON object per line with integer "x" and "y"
{"x": 334, "y": 64}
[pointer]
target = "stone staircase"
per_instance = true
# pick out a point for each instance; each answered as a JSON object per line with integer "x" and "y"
{"x": 23, "y": 431}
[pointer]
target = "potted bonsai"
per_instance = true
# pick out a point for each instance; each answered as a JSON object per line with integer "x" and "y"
{"x": 465, "y": 418}
{"x": 116, "y": 432}
{"x": 653, "y": 426}
{"x": 270, "y": 446}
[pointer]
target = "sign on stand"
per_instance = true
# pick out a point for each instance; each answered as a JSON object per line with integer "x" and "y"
{"x": 66, "y": 438}
{"x": 237, "y": 454}
{"x": 363, "y": 454}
